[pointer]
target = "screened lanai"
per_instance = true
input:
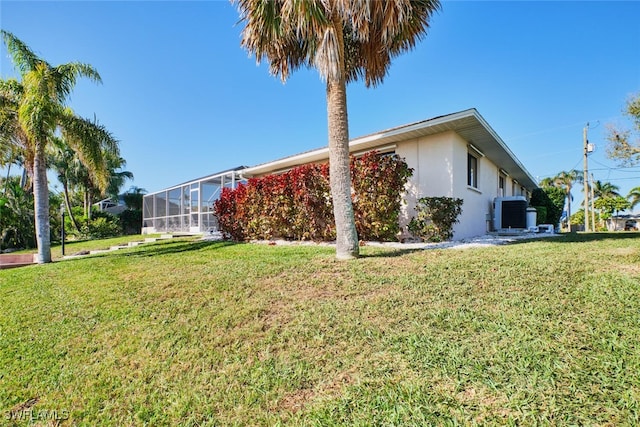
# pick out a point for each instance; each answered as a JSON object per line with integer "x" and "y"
{"x": 187, "y": 207}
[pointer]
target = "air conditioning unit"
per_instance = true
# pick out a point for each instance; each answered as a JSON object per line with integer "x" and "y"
{"x": 510, "y": 213}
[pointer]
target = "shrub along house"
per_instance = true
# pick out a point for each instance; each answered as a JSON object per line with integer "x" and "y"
{"x": 457, "y": 155}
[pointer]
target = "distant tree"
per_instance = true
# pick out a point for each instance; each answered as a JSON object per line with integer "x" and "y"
{"x": 344, "y": 41}
{"x": 634, "y": 197}
{"x": 624, "y": 144}
{"x": 565, "y": 181}
{"x": 605, "y": 189}
{"x": 610, "y": 205}
{"x": 578, "y": 217}
{"x": 133, "y": 198}
{"x": 63, "y": 161}
{"x": 33, "y": 111}
{"x": 547, "y": 182}
{"x": 552, "y": 198}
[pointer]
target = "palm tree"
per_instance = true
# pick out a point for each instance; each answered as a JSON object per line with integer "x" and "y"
{"x": 634, "y": 197}
{"x": 344, "y": 41}
{"x": 117, "y": 176}
{"x": 547, "y": 182}
{"x": 565, "y": 181}
{"x": 33, "y": 110}
{"x": 63, "y": 161}
{"x": 605, "y": 189}
{"x": 134, "y": 197}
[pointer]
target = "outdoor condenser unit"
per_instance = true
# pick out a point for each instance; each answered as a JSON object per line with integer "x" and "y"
{"x": 510, "y": 212}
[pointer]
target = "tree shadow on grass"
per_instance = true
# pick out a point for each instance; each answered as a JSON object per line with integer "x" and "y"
{"x": 176, "y": 248}
{"x": 160, "y": 248}
{"x": 391, "y": 253}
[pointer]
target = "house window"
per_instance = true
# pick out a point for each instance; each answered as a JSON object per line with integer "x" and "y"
{"x": 501, "y": 183}
{"x": 472, "y": 170}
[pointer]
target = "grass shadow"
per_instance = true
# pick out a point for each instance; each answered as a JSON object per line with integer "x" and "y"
{"x": 177, "y": 247}
{"x": 390, "y": 253}
{"x": 159, "y": 248}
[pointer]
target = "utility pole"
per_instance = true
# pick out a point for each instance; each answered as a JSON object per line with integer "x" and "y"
{"x": 585, "y": 178}
{"x": 593, "y": 209}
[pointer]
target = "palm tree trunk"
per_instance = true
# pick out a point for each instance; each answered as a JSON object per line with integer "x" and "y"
{"x": 67, "y": 202}
{"x": 41, "y": 204}
{"x": 569, "y": 208}
{"x": 339, "y": 174}
{"x": 6, "y": 181}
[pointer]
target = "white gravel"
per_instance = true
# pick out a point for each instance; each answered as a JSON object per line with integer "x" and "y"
{"x": 473, "y": 242}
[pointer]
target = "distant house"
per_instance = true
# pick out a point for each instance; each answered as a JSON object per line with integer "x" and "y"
{"x": 623, "y": 223}
{"x": 457, "y": 155}
{"x": 110, "y": 206}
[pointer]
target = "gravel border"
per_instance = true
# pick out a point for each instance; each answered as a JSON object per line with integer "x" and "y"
{"x": 473, "y": 242}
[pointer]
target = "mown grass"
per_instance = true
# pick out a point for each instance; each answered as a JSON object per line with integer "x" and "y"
{"x": 80, "y": 246}
{"x": 201, "y": 333}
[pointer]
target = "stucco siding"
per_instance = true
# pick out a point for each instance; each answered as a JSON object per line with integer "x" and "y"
{"x": 440, "y": 169}
{"x": 432, "y": 161}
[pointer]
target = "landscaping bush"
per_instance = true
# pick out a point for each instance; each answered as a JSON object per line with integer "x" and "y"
{"x": 101, "y": 225}
{"x": 435, "y": 218}
{"x": 131, "y": 221}
{"x": 378, "y": 182}
{"x": 229, "y": 209}
{"x": 541, "y": 214}
{"x": 553, "y": 199}
{"x": 297, "y": 205}
{"x": 17, "y": 229}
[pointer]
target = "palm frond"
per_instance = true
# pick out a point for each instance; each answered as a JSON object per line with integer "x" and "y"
{"x": 65, "y": 77}
{"x": 355, "y": 38}
{"x": 90, "y": 140}
{"x": 22, "y": 56}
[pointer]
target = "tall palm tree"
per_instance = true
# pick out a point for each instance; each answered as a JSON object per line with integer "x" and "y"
{"x": 344, "y": 41}
{"x": 36, "y": 109}
{"x": 634, "y": 197}
{"x": 565, "y": 181}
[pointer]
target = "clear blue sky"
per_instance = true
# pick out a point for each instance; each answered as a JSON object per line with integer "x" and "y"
{"x": 185, "y": 100}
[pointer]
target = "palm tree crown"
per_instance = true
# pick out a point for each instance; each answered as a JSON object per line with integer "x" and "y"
{"x": 634, "y": 197}
{"x": 605, "y": 189}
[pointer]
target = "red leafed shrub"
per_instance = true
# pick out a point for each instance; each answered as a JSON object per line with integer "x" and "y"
{"x": 297, "y": 205}
{"x": 378, "y": 183}
{"x": 229, "y": 209}
{"x": 312, "y": 215}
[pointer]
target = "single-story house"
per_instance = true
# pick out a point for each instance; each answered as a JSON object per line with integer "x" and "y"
{"x": 628, "y": 222}
{"x": 456, "y": 155}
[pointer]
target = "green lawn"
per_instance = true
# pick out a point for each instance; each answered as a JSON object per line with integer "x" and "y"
{"x": 198, "y": 333}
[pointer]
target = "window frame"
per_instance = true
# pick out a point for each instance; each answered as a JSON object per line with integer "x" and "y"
{"x": 472, "y": 171}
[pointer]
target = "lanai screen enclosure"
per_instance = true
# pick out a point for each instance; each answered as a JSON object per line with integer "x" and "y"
{"x": 187, "y": 207}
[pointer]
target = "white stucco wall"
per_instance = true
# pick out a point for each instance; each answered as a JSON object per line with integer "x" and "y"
{"x": 431, "y": 159}
{"x": 440, "y": 169}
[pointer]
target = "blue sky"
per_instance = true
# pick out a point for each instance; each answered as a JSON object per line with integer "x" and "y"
{"x": 186, "y": 100}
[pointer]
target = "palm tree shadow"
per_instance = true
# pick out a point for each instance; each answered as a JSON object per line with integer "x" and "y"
{"x": 160, "y": 248}
{"x": 169, "y": 248}
{"x": 386, "y": 253}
